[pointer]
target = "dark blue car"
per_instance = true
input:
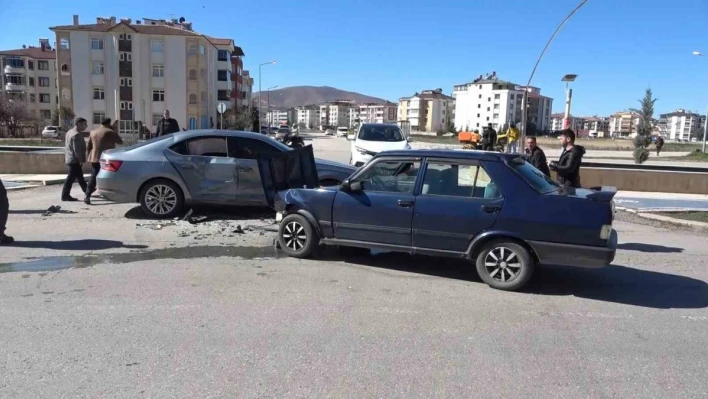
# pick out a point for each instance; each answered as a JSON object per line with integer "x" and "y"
{"x": 494, "y": 209}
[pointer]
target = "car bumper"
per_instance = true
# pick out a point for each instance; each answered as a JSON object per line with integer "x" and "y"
{"x": 114, "y": 189}
{"x": 550, "y": 253}
{"x": 359, "y": 159}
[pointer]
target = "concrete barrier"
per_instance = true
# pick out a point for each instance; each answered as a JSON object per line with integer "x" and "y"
{"x": 34, "y": 163}
{"x": 644, "y": 180}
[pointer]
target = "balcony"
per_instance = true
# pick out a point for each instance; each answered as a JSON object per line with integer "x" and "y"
{"x": 15, "y": 86}
{"x": 14, "y": 69}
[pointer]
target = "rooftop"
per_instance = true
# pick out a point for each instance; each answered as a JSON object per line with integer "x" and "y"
{"x": 32, "y": 52}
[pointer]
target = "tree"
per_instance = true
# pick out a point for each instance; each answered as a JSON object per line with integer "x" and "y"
{"x": 449, "y": 126}
{"x": 255, "y": 120}
{"x": 66, "y": 115}
{"x": 55, "y": 117}
{"x": 302, "y": 125}
{"x": 644, "y": 128}
{"x": 14, "y": 114}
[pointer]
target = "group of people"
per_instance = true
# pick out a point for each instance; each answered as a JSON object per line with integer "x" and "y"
{"x": 567, "y": 167}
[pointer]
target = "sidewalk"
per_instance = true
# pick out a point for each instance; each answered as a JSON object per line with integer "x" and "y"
{"x": 26, "y": 181}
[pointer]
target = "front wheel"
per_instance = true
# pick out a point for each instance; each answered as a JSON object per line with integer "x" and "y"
{"x": 297, "y": 237}
{"x": 504, "y": 265}
{"x": 161, "y": 199}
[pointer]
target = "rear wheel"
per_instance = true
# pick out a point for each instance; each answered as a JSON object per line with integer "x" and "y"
{"x": 504, "y": 265}
{"x": 296, "y": 236}
{"x": 161, "y": 199}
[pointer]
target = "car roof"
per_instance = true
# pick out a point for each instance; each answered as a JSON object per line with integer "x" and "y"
{"x": 451, "y": 154}
{"x": 216, "y": 132}
{"x": 379, "y": 124}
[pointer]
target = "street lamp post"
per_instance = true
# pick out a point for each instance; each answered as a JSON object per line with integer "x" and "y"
{"x": 568, "y": 97}
{"x": 705, "y": 124}
{"x": 524, "y": 101}
{"x": 260, "y": 94}
{"x": 268, "y": 111}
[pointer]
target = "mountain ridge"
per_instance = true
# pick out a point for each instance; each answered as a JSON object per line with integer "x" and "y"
{"x": 295, "y": 96}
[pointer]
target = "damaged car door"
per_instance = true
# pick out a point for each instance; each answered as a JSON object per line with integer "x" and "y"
{"x": 284, "y": 170}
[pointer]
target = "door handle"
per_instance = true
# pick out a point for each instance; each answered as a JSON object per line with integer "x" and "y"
{"x": 187, "y": 166}
{"x": 245, "y": 169}
{"x": 491, "y": 208}
{"x": 405, "y": 203}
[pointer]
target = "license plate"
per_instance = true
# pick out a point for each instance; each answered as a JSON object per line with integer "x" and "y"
{"x": 278, "y": 216}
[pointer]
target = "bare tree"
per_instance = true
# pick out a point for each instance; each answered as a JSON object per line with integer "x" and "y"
{"x": 14, "y": 115}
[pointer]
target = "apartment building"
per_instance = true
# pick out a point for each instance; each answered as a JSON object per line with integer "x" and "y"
{"x": 336, "y": 113}
{"x": 133, "y": 71}
{"x": 29, "y": 74}
{"x": 246, "y": 98}
{"x": 308, "y": 116}
{"x": 277, "y": 117}
{"x": 427, "y": 111}
{"x": 596, "y": 125}
{"x": 681, "y": 125}
{"x": 489, "y": 99}
{"x": 624, "y": 124}
{"x": 558, "y": 119}
{"x": 378, "y": 113}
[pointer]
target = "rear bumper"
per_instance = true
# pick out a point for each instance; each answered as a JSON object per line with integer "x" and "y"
{"x": 550, "y": 253}
{"x": 114, "y": 189}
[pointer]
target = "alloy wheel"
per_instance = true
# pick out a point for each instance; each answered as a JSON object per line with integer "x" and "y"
{"x": 161, "y": 199}
{"x": 502, "y": 264}
{"x": 294, "y": 236}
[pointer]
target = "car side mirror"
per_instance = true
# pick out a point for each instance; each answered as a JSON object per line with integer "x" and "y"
{"x": 345, "y": 186}
{"x": 356, "y": 187}
{"x": 350, "y": 137}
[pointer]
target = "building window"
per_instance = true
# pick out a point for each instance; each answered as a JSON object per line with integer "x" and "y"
{"x": 97, "y": 68}
{"x": 489, "y": 99}
{"x": 156, "y": 46}
{"x": 32, "y": 97}
{"x": 192, "y": 98}
{"x": 121, "y": 37}
{"x": 192, "y": 74}
{"x": 203, "y": 73}
{"x": 126, "y": 82}
{"x": 223, "y": 95}
{"x": 201, "y": 49}
{"x": 31, "y": 82}
{"x": 96, "y": 43}
{"x": 488, "y": 109}
{"x": 497, "y": 96}
{"x": 495, "y": 116}
{"x": 156, "y": 119}
{"x": 30, "y": 65}
{"x": 158, "y": 71}
{"x": 45, "y": 114}
{"x": 43, "y": 65}
{"x": 192, "y": 49}
{"x": 129, "y": 36}
{"x": 98, "y": 117}
{"x": 480, "y": 96}
{"x": 477, "y": 115}
{"x": 126, "y": 105}
{"x": 43, "y": 81}
{"x": 64, "y": 43}
{"x": 223, "y": 55}
{"x": 479, "y": 105}
{"x": 158, "y": 95}
{"x": 98, "y": 93}
{"x": 64, "y": 68}
{"x": 44, "y": 98}
{"x": 222, "y": 75}
{"x": 126, "y": 57}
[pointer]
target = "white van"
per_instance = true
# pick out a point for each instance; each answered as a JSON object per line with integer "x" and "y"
{"x": 372, "y": 138}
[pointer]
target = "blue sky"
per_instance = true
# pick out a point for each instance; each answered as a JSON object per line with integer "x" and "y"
{"x": 394, "y": 48}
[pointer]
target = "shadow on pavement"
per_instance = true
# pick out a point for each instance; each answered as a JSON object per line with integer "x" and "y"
{"x": 213, "y": 213}
{"x": 633, "y": 246}
{"x": 614, "y": 283}
{"x": 82, "y": 245}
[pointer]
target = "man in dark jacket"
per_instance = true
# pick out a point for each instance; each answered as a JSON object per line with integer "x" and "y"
{"x": 489, "y": 138}
{"x": 659, "y": 144}
{"x": 537, "y": 157}
{"x": 75, "y": 157}
{"x": 4, "y": 210}
{"x": 166, "y": 125}
{"x": 568, "y": 166}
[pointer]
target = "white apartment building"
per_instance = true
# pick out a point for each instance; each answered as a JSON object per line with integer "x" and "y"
{"x": 682, "y": 125}
{"x": 377, "y": 113}
{"x": 491, "y": 100}
{"x": 29, "y": 74}
{"x": 277, "y": 117}
{"x": 557, "y": 120}
{"x": 133, "y": 71}
{"x": 354, "y": 116}
{"x": 335, "y": 113}
{"x": 624, "y": 124}
{"x": 246, "y": 90}
{"x": 428, "y": 111}
{"x": 308, "y": 116}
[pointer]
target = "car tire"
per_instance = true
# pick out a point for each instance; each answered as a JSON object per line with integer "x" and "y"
{"x": 161, "y": 199}
{"x": 494, "y": 265}
{"x": 297, "y": 237}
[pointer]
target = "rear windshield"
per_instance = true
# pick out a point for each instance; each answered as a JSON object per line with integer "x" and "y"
{"x": 380, "y": 133}
{"x": 533, "y": 176}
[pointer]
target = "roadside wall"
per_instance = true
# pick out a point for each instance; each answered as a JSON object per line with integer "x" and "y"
{"x": 29, "y": 163}
{"x": 646, "y": 181}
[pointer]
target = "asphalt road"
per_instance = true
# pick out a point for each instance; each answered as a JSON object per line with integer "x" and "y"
{"x": 96, "y": 302}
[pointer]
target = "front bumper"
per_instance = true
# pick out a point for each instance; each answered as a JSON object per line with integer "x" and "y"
{"x": 359, "y": 159}
{"x": 550, "y": 253}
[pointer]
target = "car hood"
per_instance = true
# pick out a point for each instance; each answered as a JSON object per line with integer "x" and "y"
{"x": 331, "y": 165}
{"x": 378, "y": 146}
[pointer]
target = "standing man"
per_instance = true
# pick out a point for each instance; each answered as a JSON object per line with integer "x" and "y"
{"x": 537, "y": 157}
{"x": 75, "y": 156}
{"x": 101, "y": 139}
{"x": 659, "y": 144}
{"x": 489, "y": 138}
{"x": 166, "y": 125}
{"x": 4, "y": 210}
{"x": 568, "y": 166}
{"x": 513, "y": 138}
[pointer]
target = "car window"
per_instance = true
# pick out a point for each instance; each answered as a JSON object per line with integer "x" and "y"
{"x": 245, "y": 148}
{"x": 380, "y": 133}
{"x": 469, "y": 181}
{"x": 202, "y": 146}
{"x": 390, "y": 176}
{"x": 534, "y": 177}
{"x": 484, "y": 186}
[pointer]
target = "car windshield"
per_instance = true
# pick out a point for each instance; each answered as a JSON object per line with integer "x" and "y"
{"x": 380, "y": 133}
{"x": 534, "y": 177}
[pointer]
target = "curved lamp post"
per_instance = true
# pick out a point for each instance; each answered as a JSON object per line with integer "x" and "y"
{"x": 260, "y": 94}
{"x": 524, "y": 102}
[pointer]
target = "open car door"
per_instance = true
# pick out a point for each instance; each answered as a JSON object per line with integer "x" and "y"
{"x": 285, "y": 170}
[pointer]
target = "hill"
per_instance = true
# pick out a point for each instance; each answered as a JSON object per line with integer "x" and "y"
{"x": 305, "y": 95}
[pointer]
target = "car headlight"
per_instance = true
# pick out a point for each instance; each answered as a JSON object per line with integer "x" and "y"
{"x": 361, "y": 150}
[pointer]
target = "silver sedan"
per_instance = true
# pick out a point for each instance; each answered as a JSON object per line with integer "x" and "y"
{"x": 219, "y": 167}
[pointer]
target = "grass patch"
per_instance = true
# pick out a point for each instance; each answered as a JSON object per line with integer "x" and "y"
{"x": 32, "y": 142}
{"x": 695, "y": 156}
{"x": 695, "y": 216}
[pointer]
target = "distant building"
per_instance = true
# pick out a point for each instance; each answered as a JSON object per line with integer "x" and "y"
{"x": 277, "y": 117}
{"x": 308, "y": 116}
{"x": 681, "y": 125}
{"x": 336, "y": 113}
{"x": 378, "y": 113}
{"x": 624, "y": 124}
{"x": 427, "y": 111}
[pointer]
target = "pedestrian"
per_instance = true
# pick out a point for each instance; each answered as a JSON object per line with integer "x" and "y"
{"x": 568, "y": 166}
{"x": 166, "y": 125}
{"x": 489, "y": 138}
{"x": 101, "y": 139}
{"x": 4, "y": 211}
{"x": 75, "y": 156}
{"x": 513, "y": 138}
{"x": 659, "y": 143}
{"x": 537, "y": 157}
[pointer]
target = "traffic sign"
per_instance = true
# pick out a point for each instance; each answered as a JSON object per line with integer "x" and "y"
{"x": 221, "y": 108}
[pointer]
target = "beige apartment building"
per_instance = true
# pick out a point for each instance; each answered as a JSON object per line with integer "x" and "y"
{"x": 624, "y": 124}
{"x": 131, "y": 71}
{"x": 29, "y": 74}
{"x": 428, "y": 111}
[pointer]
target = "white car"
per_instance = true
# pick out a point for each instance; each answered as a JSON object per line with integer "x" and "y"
{"x": 329, "y": 132}
{"x": 53, "y": 132}
{"x": 372, "y": 138}
{"x": 342, "y": 131}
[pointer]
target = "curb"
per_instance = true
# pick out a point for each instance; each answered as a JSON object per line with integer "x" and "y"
{"x": 647, "y": 214}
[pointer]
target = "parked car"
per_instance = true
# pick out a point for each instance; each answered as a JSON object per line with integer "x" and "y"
{"x": 329, "y": 132}
{"x": 53, "y": 132}
{"x": 282, "y": 133}
{"x": 342, "y": 131}
{"x": 494, "y": 209}
{"x": 167, "y": 173}
{"x": 372, "y": 138}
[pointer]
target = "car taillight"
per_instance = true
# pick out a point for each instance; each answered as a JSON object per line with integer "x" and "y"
{"x": 111, "y": 166}
{"x": 606, "y": 232}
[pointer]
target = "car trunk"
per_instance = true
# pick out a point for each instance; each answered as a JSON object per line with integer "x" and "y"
{"x": 291, "y": 169}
